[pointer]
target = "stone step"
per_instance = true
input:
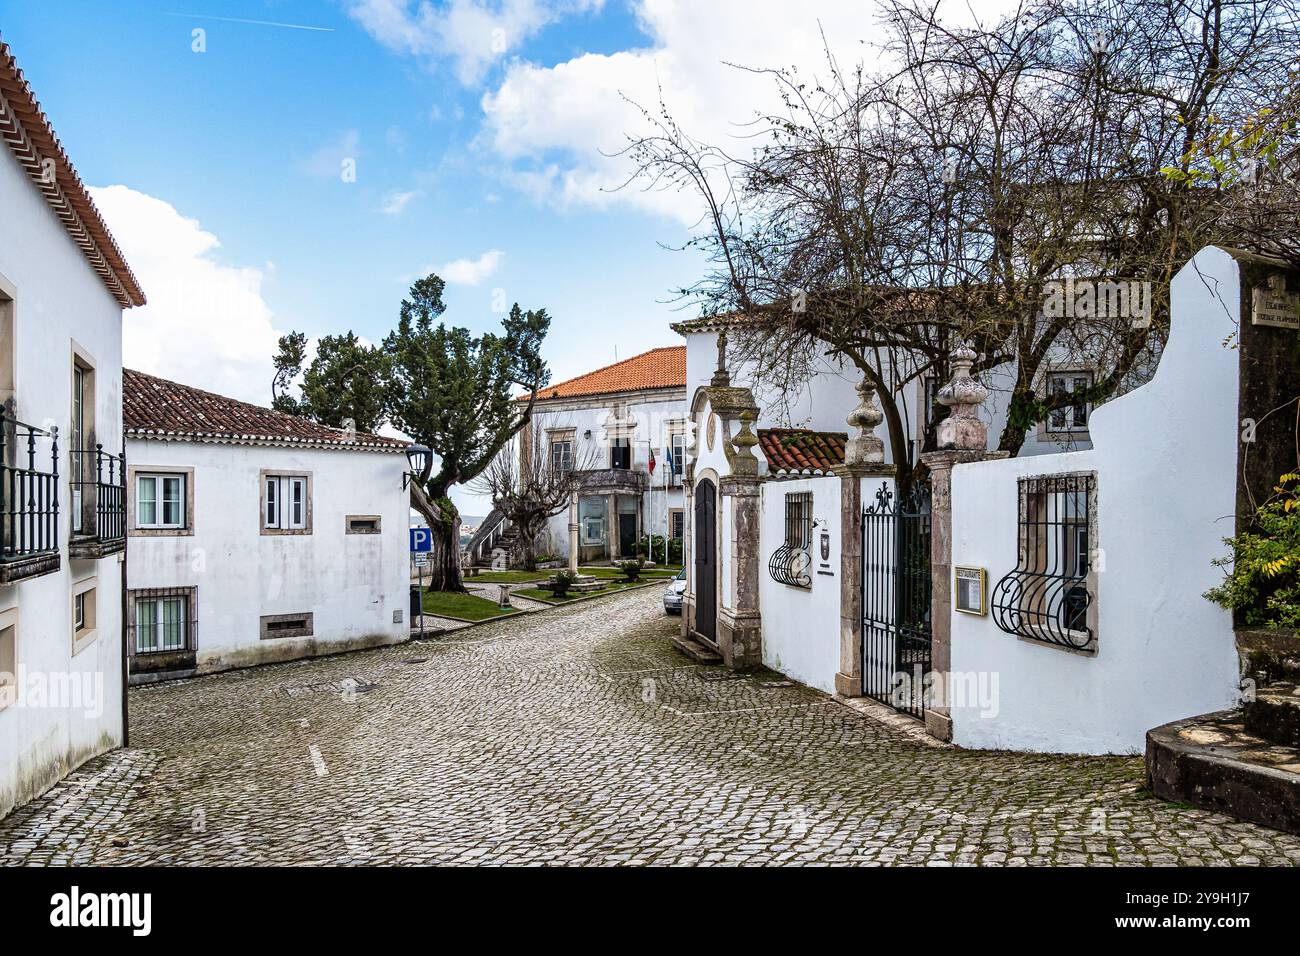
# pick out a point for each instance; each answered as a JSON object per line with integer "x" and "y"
{"x": 696, "y": 650}
{"x": 1274, "y": 714}
{"x": 1215, "y": 763}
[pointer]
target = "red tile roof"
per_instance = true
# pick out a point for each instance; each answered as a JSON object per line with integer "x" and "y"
{"x": 801, "y": 451}
{"x": 153, "y": 407}
{"x": 26, "y": 130}
{"x": 658, "y": 368}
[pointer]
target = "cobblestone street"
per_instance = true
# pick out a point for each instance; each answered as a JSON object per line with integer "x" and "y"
{"x": 579, "y": 736}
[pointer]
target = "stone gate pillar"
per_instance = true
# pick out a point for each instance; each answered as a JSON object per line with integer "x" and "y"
{"x": 740, "y": 625}
{"x": 962, "y": 437}
{"x": 864, "y": 457}
{"x": 573, "y": 532}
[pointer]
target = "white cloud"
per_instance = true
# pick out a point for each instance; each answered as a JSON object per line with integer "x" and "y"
{"x": 473, "y": 33}
{"x": 553, "y": 125}
{"x": 327, "y": 160}
{"x": 206, "y": 324}
{"x": 471, "y": 271}
{"x": 395, "y": 202}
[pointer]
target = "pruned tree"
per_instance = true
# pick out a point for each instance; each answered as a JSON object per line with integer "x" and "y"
{"x": 528, "y": 488}
{"x": 455, "y": 393}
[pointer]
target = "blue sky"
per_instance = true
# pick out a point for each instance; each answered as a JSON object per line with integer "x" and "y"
{"x": 478, "y": 130}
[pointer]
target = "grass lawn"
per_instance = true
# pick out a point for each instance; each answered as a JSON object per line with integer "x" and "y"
{"x": 537, "y": 594}
{"x": 467, "y": 607}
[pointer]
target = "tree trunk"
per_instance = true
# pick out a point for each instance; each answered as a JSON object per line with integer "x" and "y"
{"x": 444, "y": 559}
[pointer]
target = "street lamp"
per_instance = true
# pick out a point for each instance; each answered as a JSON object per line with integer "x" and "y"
{"x": 421, "y": 463}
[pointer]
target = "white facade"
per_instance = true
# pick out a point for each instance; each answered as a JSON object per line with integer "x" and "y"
{"x": 1165, "y": 469}
{"x": 620, "y": 500}
{"x": 338, "y": 582}
{"x": 62, "y": 699}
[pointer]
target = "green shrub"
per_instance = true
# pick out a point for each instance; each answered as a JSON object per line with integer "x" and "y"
{"x": 1264, "y": 581}
{"x": 631, "y": 569}
{"x": 652, "y": 547}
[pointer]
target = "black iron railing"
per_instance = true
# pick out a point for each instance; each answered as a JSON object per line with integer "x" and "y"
{"x": 1046, "y": 597}
{"x": 99, "y": 494}
{"x": 790, "y": 562}
{"x": 29, "y": 497}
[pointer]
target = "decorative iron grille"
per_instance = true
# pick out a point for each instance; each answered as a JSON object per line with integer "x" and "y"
{"x": 1046, "y": 597}
{"x": 29, "y": 497}
{"x": 163, "y": 621}
{"x": 790, "y": 562}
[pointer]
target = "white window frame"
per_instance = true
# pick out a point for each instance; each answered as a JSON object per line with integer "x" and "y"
{"x": 8, "y": 657}
{"x": 84, "y": 614}
{"x": 1060, "y": 422}
{"x": 159, "y": 622}
{"x": 286, "y": 502}
{"x": 159, "y": 480}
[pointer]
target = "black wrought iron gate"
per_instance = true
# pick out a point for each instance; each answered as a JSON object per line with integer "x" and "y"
{"x": 896, "y": 597}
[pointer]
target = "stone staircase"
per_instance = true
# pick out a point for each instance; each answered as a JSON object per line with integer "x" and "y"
{"x": 1243, "y": 762}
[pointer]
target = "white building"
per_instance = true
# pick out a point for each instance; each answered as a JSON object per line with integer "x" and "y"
{"x": 63, "y": 286}
{"x": 256, "y": 536}
{"x": 624, "y": 426}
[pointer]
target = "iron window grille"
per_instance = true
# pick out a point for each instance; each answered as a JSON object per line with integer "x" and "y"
{"x": 29, "y": 497}
{"x": 790, "y": 562}
{"x": 1048, "y": 596}
{"x": 99, "y": 494}
{"x": 164, "y": 621}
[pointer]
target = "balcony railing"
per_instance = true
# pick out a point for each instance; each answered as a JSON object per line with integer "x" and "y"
{"x": 98, "y": 503}
{"x": 29, "y": 500}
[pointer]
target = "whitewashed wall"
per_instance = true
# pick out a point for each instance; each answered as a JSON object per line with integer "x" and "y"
{"x": 1165, "y": 458}
{"x": 653, "y": 416}
{"x": 801, "y": 628}
{"x": 352, "y": 583}
{"x": 59, "y": 301}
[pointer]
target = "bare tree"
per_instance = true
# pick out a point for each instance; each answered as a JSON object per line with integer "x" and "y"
{"x": 528, "y": 484}
{"x": 887, "y": 214}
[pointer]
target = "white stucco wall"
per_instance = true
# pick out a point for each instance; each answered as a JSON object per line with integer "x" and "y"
{"x": 59, "y": 303}
{"x": 352, "y": 583}
{"x": 1165, "y": 458}
{"x": 801, "y": 628}
{"x": 653, "y": 415}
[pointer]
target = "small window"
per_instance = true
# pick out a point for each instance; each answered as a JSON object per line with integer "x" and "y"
{"x": 364, "y": 524}
{"x": 678, "y": 446}
{"x": 160, "y": 501}
{"x": 286, "y": 503}
{"x": 676, "y": 524}
{"x": 286, "y": 625}
{"x": 620, "y": 453}
{"x": 84, "y": 614}
{"x": 1048, "y": 597}
{"x": 561, "y": 455}
{"x": 798, "y": 520}
{"x": 8, "y": 658}
{"x": 790, "y": 562}
{"x": 593, "y": 530}
{"x": 1071, "y": 417}
{"x": 162, "y": 622}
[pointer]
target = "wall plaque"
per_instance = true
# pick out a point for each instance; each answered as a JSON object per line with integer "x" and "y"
{"x": 1275, "y": 305}
{"x": 969, "y": 590}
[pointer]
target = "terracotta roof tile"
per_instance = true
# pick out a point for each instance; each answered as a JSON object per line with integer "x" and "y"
{"x": 154, "y": 407}
{"x": 658, "y": 368}
{"x": 26, "y": 130}
{"x": 801, "y": 451}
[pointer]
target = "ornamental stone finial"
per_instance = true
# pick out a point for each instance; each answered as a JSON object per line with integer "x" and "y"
{"x": 721, "y": 377}
{"x": 865, "y": 448}
{"x": 962, "y": 430}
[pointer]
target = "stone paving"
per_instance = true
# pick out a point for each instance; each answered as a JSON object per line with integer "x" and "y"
{"x": 578, "y": 735}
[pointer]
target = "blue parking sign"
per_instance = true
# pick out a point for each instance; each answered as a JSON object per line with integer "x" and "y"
{"x": 421, "y": 540}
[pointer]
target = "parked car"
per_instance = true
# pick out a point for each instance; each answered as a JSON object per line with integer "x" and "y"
{"x": 673, "y": 595}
